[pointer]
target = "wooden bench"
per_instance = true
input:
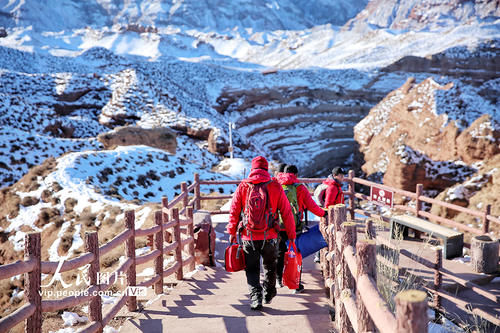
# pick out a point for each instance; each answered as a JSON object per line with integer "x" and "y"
{"x": 453, "y": 241}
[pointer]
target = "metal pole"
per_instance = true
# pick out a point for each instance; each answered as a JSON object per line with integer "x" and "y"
{"x": 231, "y": 139}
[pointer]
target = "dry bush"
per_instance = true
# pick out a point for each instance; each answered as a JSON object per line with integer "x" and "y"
{"x": 69, "y": 204}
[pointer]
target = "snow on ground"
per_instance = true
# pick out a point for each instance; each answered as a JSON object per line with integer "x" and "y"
{"x": 99, "y": 179}
{"x": 71, "y": 318}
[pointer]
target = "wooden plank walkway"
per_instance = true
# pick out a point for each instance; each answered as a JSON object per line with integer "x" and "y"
{"x": 217, "y": 301}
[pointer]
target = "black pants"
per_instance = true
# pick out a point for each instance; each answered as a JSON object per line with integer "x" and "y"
{"x": 267, "y": 250}
{"x": 282, "y": 248}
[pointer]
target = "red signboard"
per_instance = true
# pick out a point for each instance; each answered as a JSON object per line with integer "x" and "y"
{"x": 380, "y": 196}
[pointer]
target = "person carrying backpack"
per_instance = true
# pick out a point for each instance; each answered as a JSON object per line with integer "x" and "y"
{"x": 300, "y": 199}
{"x": 330, "y": 193}
{"x": 254, "y": 216}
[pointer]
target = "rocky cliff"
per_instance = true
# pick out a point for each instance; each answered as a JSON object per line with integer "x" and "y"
{"x": 475, "y": 192}
{"x": 430, "y": 133}
{"x": 425, "y": 14}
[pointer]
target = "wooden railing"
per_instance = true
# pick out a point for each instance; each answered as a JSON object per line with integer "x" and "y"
{"x": 436, "y": 288}
{"x": 417, "y": 196}
{"x": 349, "y": 269}
{"x": 167, "y": 218}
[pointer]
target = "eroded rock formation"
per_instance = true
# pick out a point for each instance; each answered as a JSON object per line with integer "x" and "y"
{"x": 289, "y": 123}
{"x": 426, "y": 133}
{"x": 162, "y": 138}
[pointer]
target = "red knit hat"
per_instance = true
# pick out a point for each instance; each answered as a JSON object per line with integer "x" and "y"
{"x": 259, "y": 162}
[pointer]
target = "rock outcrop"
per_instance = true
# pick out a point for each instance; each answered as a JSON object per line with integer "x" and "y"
{"x": 427, "y": 133}
{"x": 482, "y": 187}
{"x": 162, "y": 138}
{"x": 474, "y": 66}
{"x": 424, "y": 14}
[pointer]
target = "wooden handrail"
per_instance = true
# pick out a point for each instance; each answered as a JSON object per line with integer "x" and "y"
{"x": 150, "y": 282}
{"x": 385, "y": 187}
{"x": 191, "y": 187}
{"x": 172, "y": 269}
{"x": 177, "y": 199}
{"x": 16, "y": 268}
{"x": 147, "y": 257}
{"x": 21, "y": 314}
{"x": 147, "y": 232}
{"x": 451, "y": 223}
{"x": 50, "y": 267}
{"x": 220, "y": 182}
{"x": 118, "y": 240}
{"x": 375, "y": 304}
{"x": 114, "y": 275}
{"x": 218, "y": 197}
{"x": 451, "y": 206}
{"x": 114, "y": 310}
{"x": 70, "y": 301}
{"x": 493, "y": 218}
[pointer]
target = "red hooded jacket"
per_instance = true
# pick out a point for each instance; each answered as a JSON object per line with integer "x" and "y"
{"x": 304, "y": 198}
{"x": 277, "y": 199}
{"x": 333, "y": 194}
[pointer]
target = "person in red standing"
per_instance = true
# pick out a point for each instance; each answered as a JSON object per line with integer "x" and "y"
{"x": 334, "y": 194}
{"x": 260, "y": 242}
{"x": 300, "y": 201}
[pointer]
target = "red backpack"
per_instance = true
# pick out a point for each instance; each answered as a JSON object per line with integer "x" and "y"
{"x": 258, "y": 214}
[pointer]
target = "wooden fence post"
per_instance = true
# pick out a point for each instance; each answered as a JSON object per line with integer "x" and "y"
{"x": 197, "y": 192}
{"x": 352, "y": 195}
{"x": 167, "y": 237}
{"x": 484, "y": 254}
{"x": 185, "y": 200}
{"x": 331, "y": 257}
{"x": 411, "y": 312}
{"x": 438, "y": 278}
{"x": 159, "y": 246}
{"x": 345, "y": 278}
{"x": 174, "y": 212}
{"x": 370, "y": 230}
{"x": 338, "y": 219}
{"x": 325, "y": 263}
{"x": 130, "y": 247}
{"x": 418, "y": 203}
{"x": 418, "y": 206}
{"x": 366, "y": 264}
{"x": 95, "y": 305}
{"x": 33, "y": 251}
{"x": 190, "y": 233}
{"x": 486, "y": 222}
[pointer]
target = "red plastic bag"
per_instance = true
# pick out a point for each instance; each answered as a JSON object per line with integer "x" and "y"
{"x": 234, "y": 258}
{"x": 293, "y": 266}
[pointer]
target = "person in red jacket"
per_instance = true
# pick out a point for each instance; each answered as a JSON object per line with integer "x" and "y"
{"x": 334, "y": 194}
{"x": 260, "y": 244}
{"x": 304, "y": 201}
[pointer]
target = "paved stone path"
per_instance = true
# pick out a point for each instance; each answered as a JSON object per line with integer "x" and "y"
{"x": 217, "y": 301}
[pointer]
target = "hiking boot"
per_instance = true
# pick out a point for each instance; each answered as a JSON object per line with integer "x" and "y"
{"x": 256, "y": 304}
{"x": 299, "y": 289}
{"x": 269, "y": 296}
{"x": 279, "y": 284}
